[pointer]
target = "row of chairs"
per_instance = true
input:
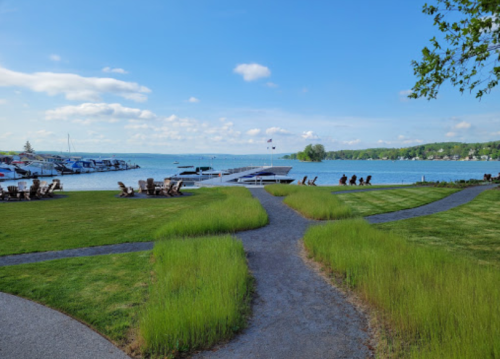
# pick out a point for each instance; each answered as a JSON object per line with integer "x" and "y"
{"x": 167, "y": 188}
{"x": 39, "y": 189}
{"x": 309, "y": 183}
{"x": 352, "y": 181}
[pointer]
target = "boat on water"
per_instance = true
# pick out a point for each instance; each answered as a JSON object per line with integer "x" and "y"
{"x": 265, "y": 178}
{"x": 192, "y": 174}
{"x": 40, "y": 168}
{"x": 175, "y": 163}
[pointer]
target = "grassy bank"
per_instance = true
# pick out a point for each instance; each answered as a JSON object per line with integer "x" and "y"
{"x": 282, "y": 190}
{"x": 318, "y": 204}
{"x": 199, "y": 296}
{"x": 85, "y": 219}
{"x": 433, "y": 304}
{"x": 236, "y": 212}
{"x": 376, "y": 202}
{"x": 102, "y": 291}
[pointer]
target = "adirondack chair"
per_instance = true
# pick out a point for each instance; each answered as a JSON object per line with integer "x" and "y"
{"x": 150, "y": 186}
{"x": 126, "y": 191}
{"x": 142, "y": 187}
{"x": 368, "y": 179}
{"x": 343, "y": 180}
{"x": 50, "y": 190}
{"x": 13, "y": 193}
{"x": 35, "y": 189}
{"x": 176, "y": 189}
{"x": 43, "y": 184}
{"x": 22, "y": 188}
{"x": 167, "y": 187}
{"x": 58, "y": 183}
{"x": 352, "y": 181}
{"x": 313, "y": 182}
{"x": 487, "y": 177}
{"x": 361, "y": 181}
{"x": 303, "y": 182}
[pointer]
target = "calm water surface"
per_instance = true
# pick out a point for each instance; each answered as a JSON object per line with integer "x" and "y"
{"x": 328, "y": 172}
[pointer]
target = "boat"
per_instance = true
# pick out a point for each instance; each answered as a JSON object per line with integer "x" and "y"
{"x": 192, "y": 174}
{"x": 40, "y": 168}
{"x": 175, "y": 163}
{"x": 8, "y": 172}
{"x": 265, "y": 178}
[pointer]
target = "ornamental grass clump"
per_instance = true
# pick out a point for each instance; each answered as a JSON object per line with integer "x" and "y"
{"x": 199, "y": 295}
{"x": 238, "y": 211}
{"x": 316, "y": 203}
{"x": 282, "y": 190}
{"x": 433, "y": 304}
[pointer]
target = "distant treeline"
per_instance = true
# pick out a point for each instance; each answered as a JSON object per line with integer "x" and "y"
{"x": 433, "y": 151}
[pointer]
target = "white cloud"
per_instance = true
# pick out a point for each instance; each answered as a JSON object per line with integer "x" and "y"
{"x": 253, "y": 132}
{"x": 382, "y": 142}
{"x": 352, "y": 142}
{"x": 462, "y": 125}
{"x": 451, "y": 134}
{"x": 55, "y": 57}
{"x": 3, "y": 101}
{"x": 44, "y": 133}
{"x": 405, "y": 140}
{"x": 271, "y": 85}
{"x": 403, "y": 95}
{"x": 193, "y": 100}
{"x": 99, "y": 110}
{"x": 114, "y": 70}
{"x": 74, "y": 87}
{"x": 252, "y": 72}
{"x": 309, "y": 135}
{"x": 137, "y": 126}
{"x": 277, "y": 131}
{"x": 6, "y": 135}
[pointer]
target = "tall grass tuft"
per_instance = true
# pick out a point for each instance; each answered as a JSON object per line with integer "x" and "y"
{"x": 199, "y": 294}
{"x": 282, "y": 190}
{"x": 436, "y": 305}
{"x": 315, "y": 203}
{"x": 238, "y": 211}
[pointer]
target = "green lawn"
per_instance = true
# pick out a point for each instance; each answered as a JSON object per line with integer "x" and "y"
{"x": 103, "y": 291}
{"x": 281, "y": 190}
{"x": 472, "y": 229}
{"x": 85, "y": 219}
{"x": 376, "y": 202}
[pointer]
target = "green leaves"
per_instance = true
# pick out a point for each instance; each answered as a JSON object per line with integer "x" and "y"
{"x": 471, "y": 39}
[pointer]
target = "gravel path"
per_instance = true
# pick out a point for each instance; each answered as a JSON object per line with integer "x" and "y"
{"x": 72, "y": 253}
{"x": 454, "y": 200}
{"x": 30, "y": 330}
{"x": 297, "y": 314}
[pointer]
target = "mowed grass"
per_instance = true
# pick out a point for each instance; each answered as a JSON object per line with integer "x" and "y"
{"x": 199, "y": 295}
{"x": 103, "y": 291}
{"x": 85, "y": 219}
{"x": 472, "y": 229}
{"x": 376, "y": 202}
{"x": 433, "y": 304}
{"x": 236, "y": 212}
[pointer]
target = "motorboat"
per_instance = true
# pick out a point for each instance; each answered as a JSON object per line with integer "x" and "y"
{"x": 8, "y": 172}
{"x": 192, "y": 174}
{"x": 40, "y": 168}
{"x": 265, "y": 178}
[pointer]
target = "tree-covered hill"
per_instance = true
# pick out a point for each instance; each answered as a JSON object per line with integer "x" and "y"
{"x": 432, "y": 151}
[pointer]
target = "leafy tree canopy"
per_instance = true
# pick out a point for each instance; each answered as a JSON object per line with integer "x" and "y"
{"x": 312, "y": 153}
{"x": 468, "y": 53}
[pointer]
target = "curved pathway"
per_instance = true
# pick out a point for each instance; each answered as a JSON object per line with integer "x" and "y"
{"x": 30, "y": 330}
{"x": 296, "y": 315}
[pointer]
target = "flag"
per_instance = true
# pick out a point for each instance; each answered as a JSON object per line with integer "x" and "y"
{"x": 274, "y": 148}
{"x": 270, "y": 140}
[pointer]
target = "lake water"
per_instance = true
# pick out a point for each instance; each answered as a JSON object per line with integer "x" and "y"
{"x": 328, "y": 172}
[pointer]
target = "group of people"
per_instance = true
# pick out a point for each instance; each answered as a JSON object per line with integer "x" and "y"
{"x": 352, "y": 181}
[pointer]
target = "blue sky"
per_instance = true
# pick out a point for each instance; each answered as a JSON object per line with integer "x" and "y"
{"x": 223, "y": 77}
